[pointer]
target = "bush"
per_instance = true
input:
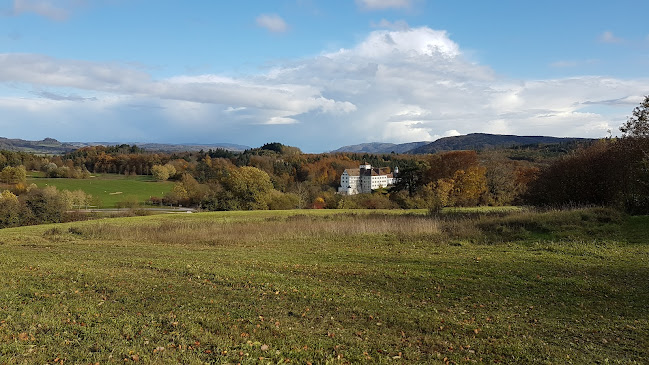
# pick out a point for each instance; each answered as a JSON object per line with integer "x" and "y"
{"x": 282, "y": 201}
{"x": 367, "y": 201}
{"x": 42, "y": 206}
{"x": 130, "y": 203}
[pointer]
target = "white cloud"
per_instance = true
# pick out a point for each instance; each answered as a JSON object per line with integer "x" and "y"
{"x": 393, "y": 86}
{"x": 452, "y": 133}
{"x": 609, "y": 37}
{"x": 384, "y": 45}
{"x": 281, "y": 120}
{"x": 46, "y": 8}
{"x": 384, "y": 4}
{"x": 272, "y": 22}
{"x": 212, "y": 89}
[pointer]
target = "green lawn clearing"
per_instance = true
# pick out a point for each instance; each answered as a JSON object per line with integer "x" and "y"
{"x": 110, "y": 188}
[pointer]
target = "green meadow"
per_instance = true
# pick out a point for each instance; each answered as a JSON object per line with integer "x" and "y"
{"x": 327, "y": 287}
{"x": 110, "y": 189}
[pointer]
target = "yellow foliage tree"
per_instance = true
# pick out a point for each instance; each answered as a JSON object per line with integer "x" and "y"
{"x": 469, "y": 186}
{"x": 9, "y": 209}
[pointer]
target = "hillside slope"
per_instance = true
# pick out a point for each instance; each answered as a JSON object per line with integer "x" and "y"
{"x": 52, "y": 146}
{"x": 48, "y": 145}
{"x": 380, "y": 147}
{"x": 481, "y": 141}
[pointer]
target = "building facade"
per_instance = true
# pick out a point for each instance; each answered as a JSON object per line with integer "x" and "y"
{"x": 364, "y": 179}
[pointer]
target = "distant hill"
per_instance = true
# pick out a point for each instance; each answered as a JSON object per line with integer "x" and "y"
{"x": 161, "y": 147}
{"x": 481, "y": 141}
{"x": 47, "y": 146}
{"x": 52, "y": 146}
{"x": 379, "y": 147}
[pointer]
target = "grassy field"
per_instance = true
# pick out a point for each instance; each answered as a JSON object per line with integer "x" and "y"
{"x": 328, "y": 287}
{"x": 110, "y": 188}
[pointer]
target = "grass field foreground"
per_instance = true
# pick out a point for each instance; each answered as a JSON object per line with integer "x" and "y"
{"x": 328, "y": 287}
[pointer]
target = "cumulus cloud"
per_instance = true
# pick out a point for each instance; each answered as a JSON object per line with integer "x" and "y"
{"x": 383, "y": 4}
{"x": 395, "y": 86}
{"x": 272, "y": 22}
{"x": 384, "y": 45}
{"x": 281, "y": 120}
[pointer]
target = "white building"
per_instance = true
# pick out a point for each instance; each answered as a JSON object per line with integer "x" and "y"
{"x": 364, "y": 179}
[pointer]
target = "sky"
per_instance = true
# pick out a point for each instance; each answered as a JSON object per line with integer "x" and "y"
{"x": 318, "y": 74}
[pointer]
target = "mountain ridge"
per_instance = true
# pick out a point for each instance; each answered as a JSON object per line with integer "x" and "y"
{"x": 482, "y": 141}
{"x": 53, "y": 146}
{"x": 380, "y": 147}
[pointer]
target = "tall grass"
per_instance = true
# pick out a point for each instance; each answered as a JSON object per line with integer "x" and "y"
{"x": 475, "y": 228}
{"x": 293, "y": 227}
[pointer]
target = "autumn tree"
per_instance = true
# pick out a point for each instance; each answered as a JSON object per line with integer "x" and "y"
{"x": 13, "y": 175}
{"x": 468, "y": 186}
{"x": 42, "y": 206}
{"x": 250, "y": 186}
{"x": 507, "y": 179}
{"x": 446, "y": 164}
{"x": 595, "y": 175}
{"x": 160, "y": 173}
{"x": 75, "y": 199}
{"x": 9, "y": 210}
{"x": 277, "y": 200}
{"x": 443, "y": 189}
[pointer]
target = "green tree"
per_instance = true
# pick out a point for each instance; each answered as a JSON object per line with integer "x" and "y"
{"x": 9, "y": 210}
{"x": 634, "y": 148}
{"x": 638, "y": 123}
{"x": 13, "y": 175}
{"x": 42, "y": 206}
{"x": 160, "y": 173}
{"x": 250, "y": 186}
{"x": 282, "y": 201}
{"x": 410, "y": 177}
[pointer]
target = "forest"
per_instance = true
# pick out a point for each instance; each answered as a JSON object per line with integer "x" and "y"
{"x": 610, "y": 172}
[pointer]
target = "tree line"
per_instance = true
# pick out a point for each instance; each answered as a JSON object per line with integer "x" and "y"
{"x": 611, "y": 171}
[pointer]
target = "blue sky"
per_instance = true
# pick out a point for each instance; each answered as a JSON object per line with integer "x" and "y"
{"x": 318, "y": 74}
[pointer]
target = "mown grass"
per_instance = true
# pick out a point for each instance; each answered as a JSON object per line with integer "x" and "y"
{"x": 328, "y": 287}
{"x": 110, "y": 189}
